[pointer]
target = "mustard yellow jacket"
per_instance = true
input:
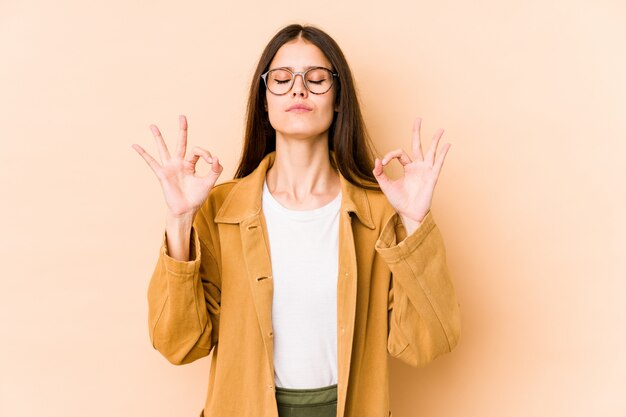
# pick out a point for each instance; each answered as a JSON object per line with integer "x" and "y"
{"x": 394, "y": 295}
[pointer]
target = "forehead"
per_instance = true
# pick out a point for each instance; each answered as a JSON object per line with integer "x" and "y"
{"x": 299, "y": 55}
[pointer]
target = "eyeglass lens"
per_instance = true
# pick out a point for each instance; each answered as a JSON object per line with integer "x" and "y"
{"x": 317, "y": 80}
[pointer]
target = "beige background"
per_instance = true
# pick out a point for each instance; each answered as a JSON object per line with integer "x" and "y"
{"x": 532, "y": 95}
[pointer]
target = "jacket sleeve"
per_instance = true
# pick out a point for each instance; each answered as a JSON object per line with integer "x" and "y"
{"x": 184, "y": 301}
{"x": 423, "y": 312}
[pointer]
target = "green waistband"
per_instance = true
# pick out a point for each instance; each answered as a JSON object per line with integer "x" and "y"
{"x": 292, "y": 396}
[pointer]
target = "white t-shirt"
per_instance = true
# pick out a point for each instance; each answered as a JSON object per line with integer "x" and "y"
{"x": 304, "y": 253}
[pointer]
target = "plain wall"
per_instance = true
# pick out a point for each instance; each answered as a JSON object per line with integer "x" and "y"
{"x": 531, "y": 94}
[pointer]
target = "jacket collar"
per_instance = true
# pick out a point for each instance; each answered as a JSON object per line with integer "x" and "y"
{"x": 245, "y": 199}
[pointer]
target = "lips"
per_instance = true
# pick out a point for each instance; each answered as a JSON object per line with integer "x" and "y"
{"x": 299, "y": 107}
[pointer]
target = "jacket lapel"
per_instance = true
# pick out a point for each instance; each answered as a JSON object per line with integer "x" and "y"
{"x": 354, "y": 200}
{"x": 243, "y": 207}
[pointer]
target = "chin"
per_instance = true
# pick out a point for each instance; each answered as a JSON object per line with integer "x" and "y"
{"x": 301, "y": 130}
{"x": 300, "y": 134}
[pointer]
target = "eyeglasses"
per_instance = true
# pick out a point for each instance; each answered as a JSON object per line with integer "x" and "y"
{"x": 317, "y": 80}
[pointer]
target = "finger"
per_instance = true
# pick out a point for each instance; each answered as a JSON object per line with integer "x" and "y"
{"x": 152, "y": 163}
{"x": 182, "y": 142}
{"x": 441, "y": 157}
{"x": 165, "y": 154}
{"x": 379, "y": 173}
{"x": 215, "y": 165}
{"x": 398, "y": 154}
{"x": 430, "y": 156}
{"x": 416, "y": 143}
{"x": 197, "y": 153}
{"x": 214, "y": 173}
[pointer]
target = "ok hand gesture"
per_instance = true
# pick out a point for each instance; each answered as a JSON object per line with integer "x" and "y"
{"x": 411, "y": 195}
{"x": 184, "y": 191}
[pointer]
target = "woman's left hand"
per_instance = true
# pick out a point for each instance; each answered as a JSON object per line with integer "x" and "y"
{"x": 412, "y": 194}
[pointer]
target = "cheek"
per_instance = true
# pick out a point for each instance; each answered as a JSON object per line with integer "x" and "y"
{"x": 329, "y": 111}
{"x": 273, "y": 114}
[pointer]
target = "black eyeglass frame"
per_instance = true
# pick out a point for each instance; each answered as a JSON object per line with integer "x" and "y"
{"x": 293, "y": 79}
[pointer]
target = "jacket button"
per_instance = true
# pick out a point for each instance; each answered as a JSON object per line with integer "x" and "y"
{"x": 270, "y": 386}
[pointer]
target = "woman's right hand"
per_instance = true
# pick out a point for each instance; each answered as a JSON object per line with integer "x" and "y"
{"x": 184, "y": 191}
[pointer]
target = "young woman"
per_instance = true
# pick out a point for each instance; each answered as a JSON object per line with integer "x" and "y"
{"x": 302, "y": 273}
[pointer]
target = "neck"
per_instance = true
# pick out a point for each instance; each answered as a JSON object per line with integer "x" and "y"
{"x": 302, "y": 175}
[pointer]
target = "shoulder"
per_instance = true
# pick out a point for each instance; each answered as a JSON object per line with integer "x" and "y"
{"x": 375, "y": 197}
{"x": 369, "y": 203}
{"x": 221, "y": 191}
{"x": 379, "y": 205}
{"x": 218, "y": 194}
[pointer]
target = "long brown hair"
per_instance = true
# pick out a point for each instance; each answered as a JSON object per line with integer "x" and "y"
{"x": 347, "y": 135}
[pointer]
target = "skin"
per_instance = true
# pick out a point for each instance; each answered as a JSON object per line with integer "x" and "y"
{"x": 412, "y": 194}
{"x": 302, "y": 177}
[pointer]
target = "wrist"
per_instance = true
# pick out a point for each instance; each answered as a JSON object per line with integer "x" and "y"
{"x": 411, "y": 223}
{"x": 178, "y": 228}
{"x": 179, "y": 220}
{"x": 178, "y": 234}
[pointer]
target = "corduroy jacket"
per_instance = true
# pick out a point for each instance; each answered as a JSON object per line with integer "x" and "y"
{"x": 394, "y": 295}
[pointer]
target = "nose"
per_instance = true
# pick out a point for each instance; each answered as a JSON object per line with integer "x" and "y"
{"x": 298, "y": 86}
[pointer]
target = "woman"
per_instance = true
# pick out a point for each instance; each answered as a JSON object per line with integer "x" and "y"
{"x": 304, "y": 271}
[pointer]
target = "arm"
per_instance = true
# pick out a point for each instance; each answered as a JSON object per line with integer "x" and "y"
{"x": 184, "y": 295}
{"x": 184, "y": 300}
{"x": 423, "y": 310}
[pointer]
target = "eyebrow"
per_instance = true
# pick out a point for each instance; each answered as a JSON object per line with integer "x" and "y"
{"x": 305, "y": 68}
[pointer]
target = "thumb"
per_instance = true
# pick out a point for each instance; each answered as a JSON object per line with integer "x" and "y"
{"x": 379, "y": 174}
{"x": 215, "y": 165}
{"x": 214, "y": 172}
